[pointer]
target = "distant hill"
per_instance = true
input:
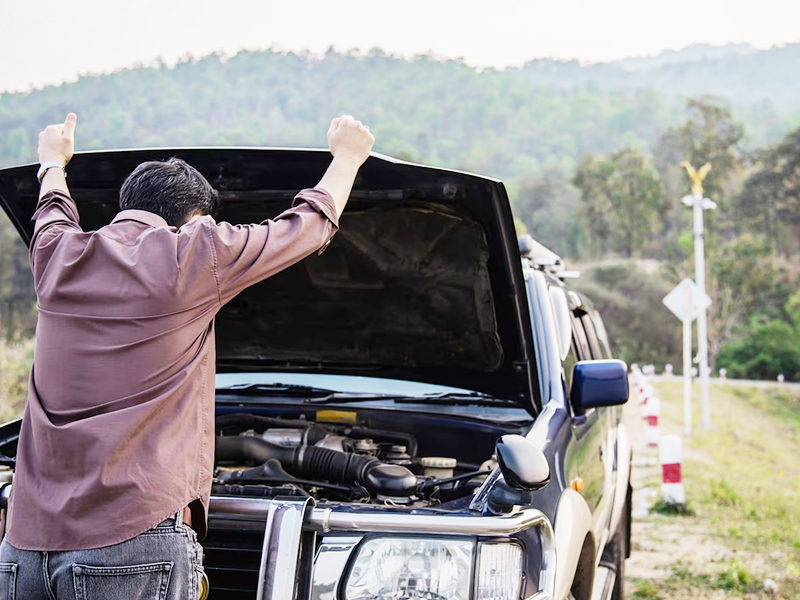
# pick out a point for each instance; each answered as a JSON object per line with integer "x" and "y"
{"x": 690, "y": 54}
{"x": 737, "y": 72}
{"x": 500, "y": 122}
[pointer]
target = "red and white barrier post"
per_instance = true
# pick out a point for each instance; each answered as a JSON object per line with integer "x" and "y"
{"x": 652, "y": 412}
{"x": 670, "y": 452}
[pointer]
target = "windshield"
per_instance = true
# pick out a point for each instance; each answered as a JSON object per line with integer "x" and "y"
{"x": 338, "y": 383}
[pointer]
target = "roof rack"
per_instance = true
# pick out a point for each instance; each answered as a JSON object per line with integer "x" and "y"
{"x": 541, "y": 257}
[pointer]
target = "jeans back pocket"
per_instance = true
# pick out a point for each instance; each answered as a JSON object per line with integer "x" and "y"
{"x": 134, "y": 582}
{"x": 8, "y": 581}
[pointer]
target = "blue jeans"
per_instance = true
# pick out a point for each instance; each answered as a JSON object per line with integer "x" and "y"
{"x": 164, "y": 563}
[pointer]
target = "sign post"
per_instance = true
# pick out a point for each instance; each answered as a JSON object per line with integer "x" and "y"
{"x": 686, "y": 302}
{"x": 699, "y": 204}
{"x": 687, "y": 361}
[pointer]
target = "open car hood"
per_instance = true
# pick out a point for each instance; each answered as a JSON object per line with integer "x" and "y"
{"x": 422, "y": 282}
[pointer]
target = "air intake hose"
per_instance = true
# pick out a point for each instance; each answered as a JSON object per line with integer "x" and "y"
{"x": 312, "y": 462}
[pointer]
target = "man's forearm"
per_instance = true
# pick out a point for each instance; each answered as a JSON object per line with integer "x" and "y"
{"x": 338, "y": 180}
{"x": 53, "y": 179}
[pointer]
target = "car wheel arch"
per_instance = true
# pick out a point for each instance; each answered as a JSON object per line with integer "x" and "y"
{"x": 574, "y": 541}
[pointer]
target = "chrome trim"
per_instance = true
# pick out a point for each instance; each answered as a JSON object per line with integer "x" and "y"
{"x": 482, "y": 494}
{"x": 330, "y": 564}
{"x": 277, "y": 574}
{"x": 328, "y": 519}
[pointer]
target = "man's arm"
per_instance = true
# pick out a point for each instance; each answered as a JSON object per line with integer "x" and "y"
{"x": 56, "y": 146}
{"x": 56, "y": 211}
{"x": 247, "y": 254}
{"x": 350, "y": 142}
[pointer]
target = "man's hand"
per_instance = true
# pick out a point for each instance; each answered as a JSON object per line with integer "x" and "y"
{"x": 57, "y": 142}
{"x": 350, "y": 140}
{"x": 350, "y": 143}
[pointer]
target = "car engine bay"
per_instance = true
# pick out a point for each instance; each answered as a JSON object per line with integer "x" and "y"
{"x": 266, "y": 456}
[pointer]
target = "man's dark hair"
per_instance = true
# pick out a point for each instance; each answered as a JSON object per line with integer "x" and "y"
{"x": 172, "y": 189}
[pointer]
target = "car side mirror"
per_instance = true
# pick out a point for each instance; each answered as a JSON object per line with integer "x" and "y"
{"x": 598, "y": 383}
{"x": 522, "y": 463}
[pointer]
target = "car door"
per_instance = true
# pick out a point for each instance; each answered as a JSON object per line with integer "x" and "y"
{"x": 589, "y": 460}
{"x": 607, "y": 417}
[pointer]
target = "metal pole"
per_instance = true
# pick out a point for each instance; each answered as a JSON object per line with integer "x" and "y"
{"x": 702, "y": 330}
{"x": 687, "y": 362}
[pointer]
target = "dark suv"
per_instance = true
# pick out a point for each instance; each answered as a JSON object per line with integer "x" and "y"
{"x": 423, "y": 411}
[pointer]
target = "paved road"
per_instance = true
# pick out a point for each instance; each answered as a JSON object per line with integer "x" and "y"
{"x": 741, "y": 382}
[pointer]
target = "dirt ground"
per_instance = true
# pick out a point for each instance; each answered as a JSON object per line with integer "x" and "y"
{"x": 676, "y": 557}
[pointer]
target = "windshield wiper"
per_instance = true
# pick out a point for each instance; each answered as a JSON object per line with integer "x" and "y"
{"x": 451, "y": 398}
{"x": 315, "y": 395}
{"x": 311, "y": 393}
{"x": 448, "y": 398}
{"x": 272, "y": 388}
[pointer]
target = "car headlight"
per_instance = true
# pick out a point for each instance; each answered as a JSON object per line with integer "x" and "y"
{"x": 499, "y": 572}
{"x": 411, "y": 569}
{"x": 433, "y": 568}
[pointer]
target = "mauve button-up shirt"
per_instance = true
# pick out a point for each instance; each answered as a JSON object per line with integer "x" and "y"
{"x": 118, "y": 432}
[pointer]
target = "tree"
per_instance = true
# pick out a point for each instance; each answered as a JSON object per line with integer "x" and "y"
{"x": 548, "y": 203}
{"x": 793, "y": 311}
{"x": 743, "y": 281}
{"x": 709, "y": 134}
{"x": 621, "y": 198}
{"x": 762, "y": 350}
{"x": 770, "y": 199}
{"x": 17, "y": 298}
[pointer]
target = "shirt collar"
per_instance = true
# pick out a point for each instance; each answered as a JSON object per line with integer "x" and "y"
{"x": 141, "y": 216}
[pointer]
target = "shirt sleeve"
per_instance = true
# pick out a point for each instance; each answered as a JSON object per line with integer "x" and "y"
{"x": 247, "y": 254}
{"x": 56, "y": 213}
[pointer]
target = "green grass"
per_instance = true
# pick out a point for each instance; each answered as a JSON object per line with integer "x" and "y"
{"x": 646, "y": 590}
{"x": 742, "y": 477}
{"x": 664, "y": 508}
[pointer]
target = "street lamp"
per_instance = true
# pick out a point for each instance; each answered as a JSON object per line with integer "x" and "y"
{"x": 699, "y": 204}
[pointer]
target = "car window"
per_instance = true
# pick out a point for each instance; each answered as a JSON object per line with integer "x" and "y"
{"x": 568, "y": 364}
{"x": 580, "y": 340}
{"x": 591, "y": 336}
{"x": 602, "y": 335}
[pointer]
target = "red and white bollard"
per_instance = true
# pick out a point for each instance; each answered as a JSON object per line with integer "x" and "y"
{"x": 648, "y": 393}
{"x": 652, "y": 411}
{"x": 670, "y": 452}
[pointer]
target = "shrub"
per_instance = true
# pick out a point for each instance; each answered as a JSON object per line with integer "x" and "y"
{"x": 762, "y": 350}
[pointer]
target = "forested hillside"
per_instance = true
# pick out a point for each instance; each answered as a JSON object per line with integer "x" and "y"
{"x": 590, "y": 155}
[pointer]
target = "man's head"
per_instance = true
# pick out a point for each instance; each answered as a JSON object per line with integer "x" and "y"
{"x": 172, "y": 189}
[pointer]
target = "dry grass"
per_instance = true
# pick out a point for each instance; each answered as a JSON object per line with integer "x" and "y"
{"x": 15, "y": 364}
{"x": 743, "y": 486}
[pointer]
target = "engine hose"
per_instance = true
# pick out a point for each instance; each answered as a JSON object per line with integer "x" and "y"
{"x": 312, "y": 462}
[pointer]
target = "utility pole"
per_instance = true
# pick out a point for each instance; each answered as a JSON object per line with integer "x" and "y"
{"x": 699, "y": 204}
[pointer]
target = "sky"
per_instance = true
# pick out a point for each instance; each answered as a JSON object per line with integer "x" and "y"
{"x": 48, "y": 42}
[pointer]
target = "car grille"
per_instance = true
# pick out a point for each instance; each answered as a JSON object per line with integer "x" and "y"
{"x": 231, "y": 556}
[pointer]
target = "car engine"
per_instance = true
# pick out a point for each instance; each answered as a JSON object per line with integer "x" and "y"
{"x": 271, "y": 456}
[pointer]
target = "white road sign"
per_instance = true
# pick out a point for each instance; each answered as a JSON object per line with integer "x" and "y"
{"x": 686, "y": 300}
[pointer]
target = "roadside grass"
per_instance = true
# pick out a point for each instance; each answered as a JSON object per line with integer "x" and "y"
{"x": 734, "y": 580}
{"x": 742, "y": 481}
{"x": 15, "y": 364}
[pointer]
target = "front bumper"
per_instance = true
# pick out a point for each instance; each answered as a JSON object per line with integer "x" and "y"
{"x": 292, "y": 524}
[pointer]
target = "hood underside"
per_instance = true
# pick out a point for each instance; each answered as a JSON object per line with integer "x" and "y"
{"x": 422, "y": 281}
